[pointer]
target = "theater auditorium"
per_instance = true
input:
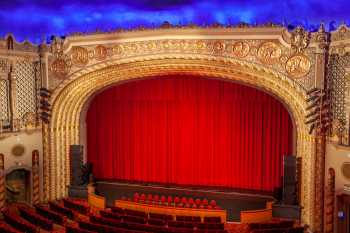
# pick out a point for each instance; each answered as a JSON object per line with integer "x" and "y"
{"x": 174, "y": 117}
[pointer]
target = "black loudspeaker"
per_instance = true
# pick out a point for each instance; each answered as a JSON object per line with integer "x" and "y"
{"x": 289, "y": 180}
{"x": 76, "y": 154}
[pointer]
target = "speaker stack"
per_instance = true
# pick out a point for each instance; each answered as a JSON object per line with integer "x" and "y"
{"x": 76, "y": 155}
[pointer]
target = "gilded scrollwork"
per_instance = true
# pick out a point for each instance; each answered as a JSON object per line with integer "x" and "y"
{"x": 300, "y": 39}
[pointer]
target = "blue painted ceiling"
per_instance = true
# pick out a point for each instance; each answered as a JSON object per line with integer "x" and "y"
{"x": 36, "y": 20}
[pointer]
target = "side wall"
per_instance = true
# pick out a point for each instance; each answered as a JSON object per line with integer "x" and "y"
{"x": 32, "y": 141}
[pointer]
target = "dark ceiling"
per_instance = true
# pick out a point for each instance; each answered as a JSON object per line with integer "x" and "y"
{"x": 36, "y": 20}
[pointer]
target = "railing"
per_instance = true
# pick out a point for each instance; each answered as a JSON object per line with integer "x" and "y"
{"x": 171, "y": 210}
{"x": 252, "y": 216}
{"x": 96, "y": 202}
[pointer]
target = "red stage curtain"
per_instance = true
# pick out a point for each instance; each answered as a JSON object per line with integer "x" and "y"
{"x": 189, "y": 131}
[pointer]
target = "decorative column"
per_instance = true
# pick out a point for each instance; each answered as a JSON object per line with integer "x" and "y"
{"x": 321, "y": 130}
{"x": 35, "y": 177}
{"x": 13, "y": 98}
{"x": 44, "y": 83}
{"x": 2, "y": 183}
{"x": 330, "y": 202}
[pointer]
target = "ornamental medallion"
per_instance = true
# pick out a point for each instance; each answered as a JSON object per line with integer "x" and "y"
{"x": 59, "y": 68}
{"x": 80, "y": 56}
{"x": 100, "y": 52}
{"x": 269, "y": 53}
{"x": 240, "y": 49}
{"x": 298, "y": 66}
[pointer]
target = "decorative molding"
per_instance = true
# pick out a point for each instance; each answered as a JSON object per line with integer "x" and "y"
{"x": 35, "y": 177}
{"x": 69, "y": 98}
{"x": 300, "y": 39}
{"x": 2, "y": 182}
{"x": 330, "y": 202}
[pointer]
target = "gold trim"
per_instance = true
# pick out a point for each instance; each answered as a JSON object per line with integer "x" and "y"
{"x": 69, "y": 98}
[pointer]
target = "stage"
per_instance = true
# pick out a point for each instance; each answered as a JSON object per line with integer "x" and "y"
{"x": 232, "y": 201}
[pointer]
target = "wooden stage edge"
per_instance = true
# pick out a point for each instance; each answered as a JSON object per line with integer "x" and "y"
{"x": 232, "y": 201}
{"x": 182, "y": 189}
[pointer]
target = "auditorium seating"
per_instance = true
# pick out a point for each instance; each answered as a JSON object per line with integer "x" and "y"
{"x": 76, "y": 205}
{"x": 61, "y": 209}
{"x": 19, "y": 223}
{"x": 161, "y": 216}
{"x": 176, "y": 201}
{"x": 53, "y": 216}
{"x": 275, "y": 227}
{"x": 112, "y": 215}
{"x": 35, "y": 218}
{"x": 73, "y": 229}
{"x": 5, "y": 228}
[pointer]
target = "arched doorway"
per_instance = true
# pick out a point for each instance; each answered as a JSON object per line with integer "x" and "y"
{"x": 18, "y": 185}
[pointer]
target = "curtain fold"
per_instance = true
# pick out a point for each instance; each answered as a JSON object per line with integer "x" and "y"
{"x": 188, "y": 131}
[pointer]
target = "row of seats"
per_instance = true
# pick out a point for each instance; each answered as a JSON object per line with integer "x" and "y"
{"x": 76, "y": 205}
{"x": 280, "y": 230}
{"x": 35, "y": 218}
{"x": 53, "y": 216}
{"x": 164, "y": 217}
{"x": 275, "y": 227}
{"x": 5, "y": 228}
{"x": 271, "y": 225}
{"x": 99, "y": 224}
{"x": 19, "y": 223}
{"x": 176, "y": 201}
{"x": 61, "y": 209}
{"x": 115, "y": 217}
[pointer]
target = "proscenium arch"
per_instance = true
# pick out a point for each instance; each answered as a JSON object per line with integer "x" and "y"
{"x": 69, "y": 99}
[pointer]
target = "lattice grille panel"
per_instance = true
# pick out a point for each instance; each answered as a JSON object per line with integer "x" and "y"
{"x": 4, "y": 104}
{"x": 26, "y": 88}
{"x": 339, "y": 84}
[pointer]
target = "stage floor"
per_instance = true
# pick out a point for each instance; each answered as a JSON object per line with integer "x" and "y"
{"x": 233, "y": 202}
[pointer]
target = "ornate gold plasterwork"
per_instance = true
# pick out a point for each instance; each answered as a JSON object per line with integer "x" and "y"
{"x": 70, "y": 97}
{"x": 269, "y": 53}
{"x": 300, "y": 40}
{"x": 266, "y": 52}
{"x": 79, "y": 56}
{"x": 298, "y": 66}
{"x": 100, "y": 52}
{"x": 240, "y": 49}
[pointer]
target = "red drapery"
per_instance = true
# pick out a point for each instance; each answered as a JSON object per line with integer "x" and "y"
{"x": 188, "y": 131}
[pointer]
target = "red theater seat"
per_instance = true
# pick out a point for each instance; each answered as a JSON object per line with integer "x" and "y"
{"x": 213, "y": 203}
{"x": 170, "y": 200}
{"x": 149, "y": 198}
{"x": 162, "y": 200}
{"x": 176, "y": 200}
{"x": 136, "y": 197}
{"x": 205, "y": 202}
{"x": 156, "y": 198}
{"x": 198, "y": 202}
{"x": 143, "y": 197}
